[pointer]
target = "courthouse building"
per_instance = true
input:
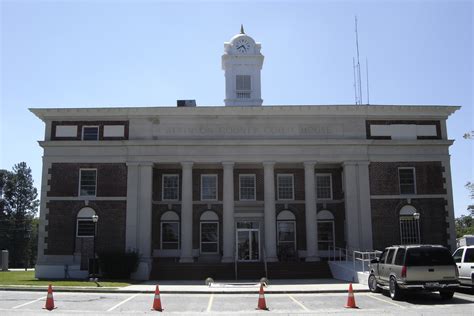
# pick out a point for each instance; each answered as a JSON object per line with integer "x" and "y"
{"x": 208, "y": 190}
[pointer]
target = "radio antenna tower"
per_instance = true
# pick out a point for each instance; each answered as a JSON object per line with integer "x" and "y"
{"x": 357, "y": 72}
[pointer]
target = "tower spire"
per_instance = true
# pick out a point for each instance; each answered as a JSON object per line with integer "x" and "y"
{"x": 242, "y": 29}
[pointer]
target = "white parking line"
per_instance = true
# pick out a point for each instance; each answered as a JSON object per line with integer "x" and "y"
{"x": 123, "y": 302}
{"x": 28, "y": 303}
{"x": 209, "y": 305}
{"x": 297, "y": 302}
{"x": 385, "y": 301}
{"x": 464, "y": 296}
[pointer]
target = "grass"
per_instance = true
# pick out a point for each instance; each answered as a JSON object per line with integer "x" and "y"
{"x": 28, "y": 278}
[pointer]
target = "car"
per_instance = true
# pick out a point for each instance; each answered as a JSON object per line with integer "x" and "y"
{"x": 464, "y": 258}
{"x": 404, "y": 268}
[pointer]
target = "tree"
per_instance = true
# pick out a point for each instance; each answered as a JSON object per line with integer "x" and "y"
{"x": 20, "y": 205}
{"x": 464, "y": 225}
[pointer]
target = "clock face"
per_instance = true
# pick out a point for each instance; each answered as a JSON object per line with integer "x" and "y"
{"x": 242, "y": 45}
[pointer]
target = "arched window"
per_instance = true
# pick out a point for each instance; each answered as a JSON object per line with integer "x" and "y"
{"x": 209, "y": 225}
{"x": 326, "y": 231}
{"x": 409, "y": 225}
{"x": 85, "y": 226}
{"x": 170, "y": 230}
{"x": 286, "y": 232}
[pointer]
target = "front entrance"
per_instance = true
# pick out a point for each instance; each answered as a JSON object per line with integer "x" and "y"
{"x": 248, "y": 244}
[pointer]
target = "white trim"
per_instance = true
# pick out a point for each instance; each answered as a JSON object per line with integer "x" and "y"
{"x": 169, "y": 216}
{"x": 163, "y": 186}
{"x": 286, "y": 215}
{"x": 292, "y": 186}
{"x": 86, "y": 212}
{"x": 169, "y": 242}
{"x": 414, "y": 179}
{"x": 88, "y": 126}
{"x": 209, "y": 216}
{"x": 208, "y": 242}
{"x": 254, "y": 186}
{"x": 325, "y": 215}
{"x": 408, "y": 196}
{"x": 316, "y": 185}
{"x": 217, "y": 186}
{"x": 80, "y": 179}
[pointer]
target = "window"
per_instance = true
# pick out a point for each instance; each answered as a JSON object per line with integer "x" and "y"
{"x": 286, "y": 231}
{"x": 406, "y": 177}
{"x": 324, "y": 186}
{"x": 383, "y": 256}
{"x": 390, "y": 254}
{"x": 209, "y": 237}
{"x": 169, "y": 235}
{"x": 428, "y": 256}
{"x": 243, "y": 86}
{"x": 85, "y": 227}
{"x": 170, "y": 185}
{"x": 285, "y": 187}
{"x": 409, "y": 226}
{"x": 208, "y": 187}
{"x": 458, "y": 255}
{"x": 400, "y": 256}
{"x": 325, "y": 230}
{"x": 87, "y": 182}
{"x": 90, "y": 133}
{"x": 469, "y": 256}
{"x": 247, "y": 187}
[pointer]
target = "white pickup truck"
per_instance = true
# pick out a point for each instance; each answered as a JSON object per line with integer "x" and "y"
{"x": 464, "y": 258}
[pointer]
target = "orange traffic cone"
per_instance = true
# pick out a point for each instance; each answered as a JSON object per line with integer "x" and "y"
{"x": 49, "y": 299}
{"x": 351, "y": 303}
{"x": 157, "y": 300}
{"x": 261, "y": 299}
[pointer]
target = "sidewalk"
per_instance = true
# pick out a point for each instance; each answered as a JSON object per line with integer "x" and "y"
{"x": 221, "y": 287}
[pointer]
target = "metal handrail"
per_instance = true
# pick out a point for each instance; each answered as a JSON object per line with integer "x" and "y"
{"x": 364, "y": 257}
{"x": 343, "y": 253}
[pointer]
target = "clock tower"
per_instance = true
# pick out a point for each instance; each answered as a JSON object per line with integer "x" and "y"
{"x": 242, "y": 63}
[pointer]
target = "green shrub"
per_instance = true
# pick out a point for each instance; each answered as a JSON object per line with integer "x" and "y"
{"x": 118, "y": 265}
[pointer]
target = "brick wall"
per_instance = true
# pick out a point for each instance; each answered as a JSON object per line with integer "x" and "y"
{"x": 61, "y": 226}
{"x": 386, "y": 222}
{"x": 111, "y": 179}
{"x": 384, "y": 177}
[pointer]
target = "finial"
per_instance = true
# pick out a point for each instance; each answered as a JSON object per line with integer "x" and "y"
{"x": 242, "y": 29}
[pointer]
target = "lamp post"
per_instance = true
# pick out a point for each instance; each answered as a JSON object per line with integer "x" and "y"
{"x": 416, "y": 217}
{"x": 95, "y": 219}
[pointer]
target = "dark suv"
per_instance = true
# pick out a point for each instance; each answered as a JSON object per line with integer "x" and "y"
{"x": 414, "y": 267}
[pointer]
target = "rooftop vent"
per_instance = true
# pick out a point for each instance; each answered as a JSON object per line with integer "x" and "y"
{"x": 186, "y": 103}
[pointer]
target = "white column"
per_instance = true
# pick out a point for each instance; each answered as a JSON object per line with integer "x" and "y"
{"x": 138, "y": 219}
{"x": 269, "y": 212}
{"x": 187, "y": 213}
{"x": 310, "y": 212}
{"x": 357, "y": 203}
{"x": 228, "y": 214}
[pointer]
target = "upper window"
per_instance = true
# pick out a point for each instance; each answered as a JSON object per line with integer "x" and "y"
{"x": 90, "y": 133}
{"x": 243, "y": 86}
{"x": 170, "y": 187}
{"x": 285, "y": 187}
{"x": 323, "y": 186}
{"x": 406, "y": 178}
{"x": 208, "y": 187}
{"x": 247, "y": 187}
{"x": 87, "y": 182}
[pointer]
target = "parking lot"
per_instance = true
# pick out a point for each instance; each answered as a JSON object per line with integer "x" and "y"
{"x": 31, "y": 303}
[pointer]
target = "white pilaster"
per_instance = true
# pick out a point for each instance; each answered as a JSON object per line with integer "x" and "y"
{"x": 357, "y": 204}
{"x": 269, "y": 211}
{"x": 310, "y": 212}
{"x": 139, "y": 208}
{"x": 187, "y": 213}
{"x": 228, "y": 214}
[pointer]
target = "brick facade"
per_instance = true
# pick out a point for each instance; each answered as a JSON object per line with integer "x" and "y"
{"x": 384, "y": 177}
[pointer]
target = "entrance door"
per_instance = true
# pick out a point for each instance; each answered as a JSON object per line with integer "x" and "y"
{"x": 248, "y": 244}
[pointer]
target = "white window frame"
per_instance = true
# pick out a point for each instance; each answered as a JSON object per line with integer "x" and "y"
{"x": 330, "y": 186}
{"x": 414, "y": 180}
{"x": 333, "y": 224}
{"x": 85, "y": 220}
{"x": 161, "y": 234}
{"x": 80, "y": 180}
{"x": 217, "y": 186}
{"x": 163, "y": 186}
{"x": 88, "y": 126}
{"x": 208, "y": 242}
{"x": 279, "y": 175}
{"x": 294, "y": 233}
{"x": 254, "y": 186}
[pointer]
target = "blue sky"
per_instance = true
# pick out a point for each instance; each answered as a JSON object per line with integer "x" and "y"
{"x": 150, "y": 53}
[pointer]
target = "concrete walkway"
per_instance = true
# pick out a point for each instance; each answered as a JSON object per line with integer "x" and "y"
{"x": 221, "y": 287}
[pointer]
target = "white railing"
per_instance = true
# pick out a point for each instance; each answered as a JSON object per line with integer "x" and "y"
{"x": 338, "y": 254}
{"x": 364, "y": 257}
{"x": 242, "y": 94}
